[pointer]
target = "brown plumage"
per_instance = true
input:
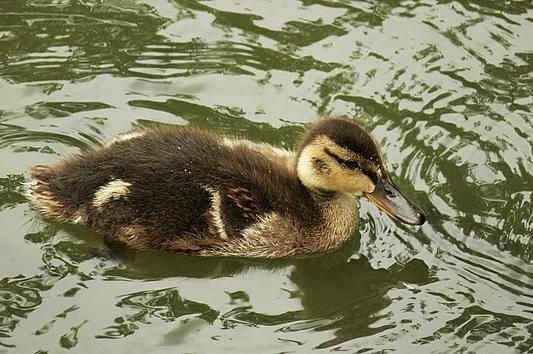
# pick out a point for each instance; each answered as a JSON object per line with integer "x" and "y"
{"x": 188, "y": 190}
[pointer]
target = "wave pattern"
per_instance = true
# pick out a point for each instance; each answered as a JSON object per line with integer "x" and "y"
{"x": 445, "y": 85}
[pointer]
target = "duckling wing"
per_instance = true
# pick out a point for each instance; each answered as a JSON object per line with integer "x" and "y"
{"x": 242, "y": 203}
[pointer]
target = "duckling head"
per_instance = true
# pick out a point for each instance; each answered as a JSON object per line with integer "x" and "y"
{"x": 339, "y": 155}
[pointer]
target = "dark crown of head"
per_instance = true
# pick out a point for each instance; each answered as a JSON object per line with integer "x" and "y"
{"x": 345, "y": 133}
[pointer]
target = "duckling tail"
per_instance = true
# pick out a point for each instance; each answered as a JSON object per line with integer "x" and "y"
{"x": 43, "y": 197}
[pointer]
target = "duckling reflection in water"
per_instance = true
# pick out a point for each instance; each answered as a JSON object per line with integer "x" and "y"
{"x": 332, "y": 292}
{"x": 188, "y": 190}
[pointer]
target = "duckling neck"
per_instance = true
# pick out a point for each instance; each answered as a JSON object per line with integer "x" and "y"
{"x": 340, "y": 217}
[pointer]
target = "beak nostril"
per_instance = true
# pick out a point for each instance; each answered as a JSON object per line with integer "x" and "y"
{"x": 390, "y": 193}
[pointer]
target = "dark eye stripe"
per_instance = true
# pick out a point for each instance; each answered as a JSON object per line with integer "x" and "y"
{"x": 351, "y": 164}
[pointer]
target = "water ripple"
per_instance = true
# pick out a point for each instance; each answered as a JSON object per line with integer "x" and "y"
{"x": 444, "y": 85}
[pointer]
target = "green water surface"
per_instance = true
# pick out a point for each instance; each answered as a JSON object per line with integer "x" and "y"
{"x": 446, "y": 88}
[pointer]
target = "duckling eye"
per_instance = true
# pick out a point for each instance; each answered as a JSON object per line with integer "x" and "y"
{"x": 351, "y": 164}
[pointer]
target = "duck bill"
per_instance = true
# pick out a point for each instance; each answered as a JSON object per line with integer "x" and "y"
{"x": 389, "y": 199}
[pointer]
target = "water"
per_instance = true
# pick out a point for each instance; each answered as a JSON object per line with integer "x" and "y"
{"x": 446, "y": 87}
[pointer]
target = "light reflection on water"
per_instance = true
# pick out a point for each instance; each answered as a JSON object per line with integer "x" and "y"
{"x": 446, "y": 88}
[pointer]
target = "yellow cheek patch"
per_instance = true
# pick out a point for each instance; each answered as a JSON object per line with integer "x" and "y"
{"x": 351, "y": 182}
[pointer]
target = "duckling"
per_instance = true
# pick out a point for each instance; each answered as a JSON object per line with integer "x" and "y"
{"x": 188, "y": 190}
